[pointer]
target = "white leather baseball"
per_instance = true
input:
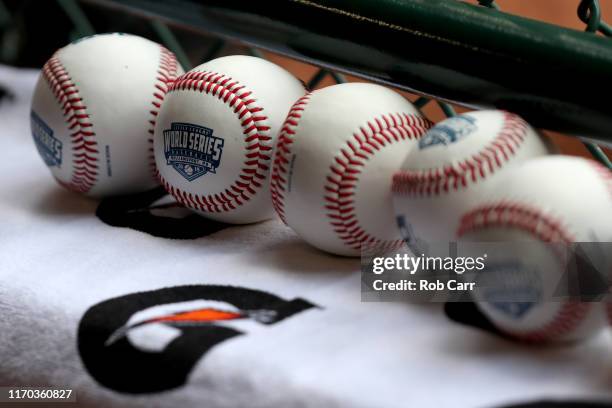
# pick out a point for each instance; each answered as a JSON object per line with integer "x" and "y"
{"x": 215, "y": 134}
{"x": 336, "y": 153}
{"x": 94, "y": 109}
{"x": 454, "y": 165}
{"x": 556, "y": 199}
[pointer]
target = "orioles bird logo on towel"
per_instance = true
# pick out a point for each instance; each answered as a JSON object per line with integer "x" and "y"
{"x": 150, "y": 341}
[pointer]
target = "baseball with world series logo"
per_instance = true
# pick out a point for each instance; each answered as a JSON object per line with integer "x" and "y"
{"x": 192, "y": 149}
{"x": 215, "y": 134}
{"x": 93, "y": 141}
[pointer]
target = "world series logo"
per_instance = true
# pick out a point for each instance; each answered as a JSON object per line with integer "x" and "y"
{"x": 49, "y": 147}
{"x": 448, "y": 132}
{"x": 192, "y": 150}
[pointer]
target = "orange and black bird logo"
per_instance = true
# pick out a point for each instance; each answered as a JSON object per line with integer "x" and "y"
{"x": 149, "y": 341}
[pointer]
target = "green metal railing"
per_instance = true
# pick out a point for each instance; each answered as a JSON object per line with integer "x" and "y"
{"x": 589, "y": 11}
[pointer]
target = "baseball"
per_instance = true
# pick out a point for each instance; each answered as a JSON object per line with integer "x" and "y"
{"x": 452, "y": 167}
{"x": 215, "y": 134}
{"x": 94, "y": 109}
{"x": 539, "y": 208}
{"x": 336, "y": 152}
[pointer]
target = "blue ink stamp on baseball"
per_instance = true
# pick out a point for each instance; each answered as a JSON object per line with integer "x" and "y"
{"x": 192, "y": 150}
{"x": 416, "y": 245}
{"x": 49, "y": 147}
{"x": 515, "y": 310}
{"x": 449, "y": 131}
{"x": 511, "y": 288}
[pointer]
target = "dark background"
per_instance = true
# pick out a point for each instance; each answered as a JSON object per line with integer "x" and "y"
{"x": 31, "y": 30}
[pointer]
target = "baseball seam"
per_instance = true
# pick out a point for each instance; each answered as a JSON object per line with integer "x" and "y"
{"x": 257, "y": 139}
{"x": 165, "y": 76}
{"x": 347, "y": 165}
{"x": 345, "y": 169}
{"x": 606, "y": 175}
{"x": 544, "y": 228}
{"x": 83, "y": 138}
{"x": 280, "y": 165}
{"x": 477, "y": 167}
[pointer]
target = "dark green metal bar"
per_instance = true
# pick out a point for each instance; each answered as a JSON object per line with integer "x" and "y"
{"x": 488, "y": 3}
{"x": 474, "y": 56}
{"x": 5, "y": 15}
{"x": 339, "y": 78}
{"x": 256, "y": 53}
{"x": 605, "y": 29}
{"x": 169, "y": 40}
{"x": 214, "y": 50}
{"x": 421, "y": 102}
{"x": 447, "y": 109}
{"x": 599, "y": 154}
{"x": 589, "y": 12}
{"x": 8, "y": 36}
{"x": 82, "y": 25}
{"x": 321, "y": 74}
{"x": 317, "y": 78}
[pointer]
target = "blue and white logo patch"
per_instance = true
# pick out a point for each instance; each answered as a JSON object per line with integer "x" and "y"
{"x": 515, "y": 310}
{"x": 192, "y": 150}
{"x": 511, "y": 288}
{"x": 415, "y": 244}
{"x": 449, "y": 131}
{"x": 49, "y": 147}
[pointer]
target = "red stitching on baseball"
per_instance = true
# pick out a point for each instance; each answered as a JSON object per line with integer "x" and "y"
{"x": 83, "y": 138}
{"x": 280, "y": 166}
{"x": 519, "y": 215}
{"x": 544, "y": 228}
{"x": 479, "y": 166}
{"x": 347, "y": 166}
{"x": 257, "y": 139}
{"x": 604, "y": 173}
{"x": 341, "y": 182}
{"x": 606, "y": 176}
{"x": 166, "y": 75}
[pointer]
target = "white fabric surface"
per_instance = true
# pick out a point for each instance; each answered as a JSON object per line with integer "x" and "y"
{"x": 57, "y": 260}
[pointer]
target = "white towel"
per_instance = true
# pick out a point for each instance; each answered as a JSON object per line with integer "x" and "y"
{"x": 241, "y": 317}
